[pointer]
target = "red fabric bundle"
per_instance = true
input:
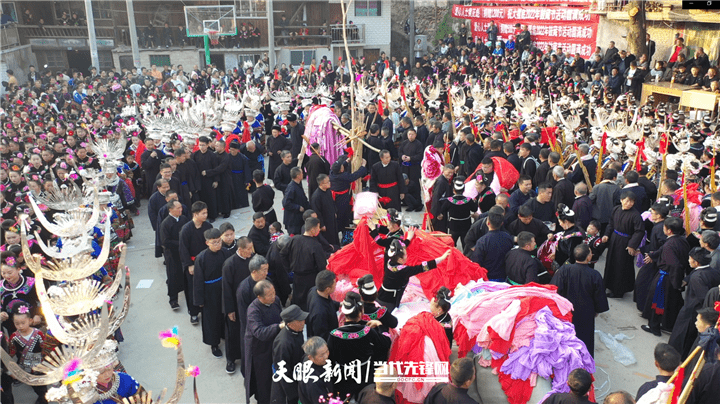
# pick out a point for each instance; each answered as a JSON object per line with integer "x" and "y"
{"x": 363, "y": 256}
{"x": 229, "y": 140}
{"x": 507, "y": 174}
{"x": 410, "y": 346}
{"x": 138, "y": 153}
{"x": 548, "y": 134}
{"x": 360, "y": 257}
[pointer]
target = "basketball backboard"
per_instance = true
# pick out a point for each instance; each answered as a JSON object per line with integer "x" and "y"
{"x": 206, "y": 20}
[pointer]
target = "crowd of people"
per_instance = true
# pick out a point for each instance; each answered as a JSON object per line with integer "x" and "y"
{"x": 517, "y": 204}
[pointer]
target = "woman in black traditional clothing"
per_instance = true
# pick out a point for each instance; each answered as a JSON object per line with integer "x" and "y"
{"x": 570, "y": 237}
{"x": 374, "y": 311}
{"x": 356, "y": 340}
{"x": 397, "y": 274}
{"x": 439, "y": 307}
{"x": 393, "y": 231}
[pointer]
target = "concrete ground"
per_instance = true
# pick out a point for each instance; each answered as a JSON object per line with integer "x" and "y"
{"x": 154, "y": 366}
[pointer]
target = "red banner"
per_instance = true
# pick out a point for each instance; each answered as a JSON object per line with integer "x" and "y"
{"x": 560, "y": 27}
{"x": 568, "y": 2}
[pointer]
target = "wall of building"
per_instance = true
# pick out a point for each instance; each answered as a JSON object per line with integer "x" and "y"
{"x": 17, "y": 59}
{"x": 377, "y": 29}
{"x": 188, "y": 58}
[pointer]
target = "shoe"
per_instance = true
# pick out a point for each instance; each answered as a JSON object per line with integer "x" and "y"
{"x": 174, "y": 305}
{"x": 230, "y": 368}
{"x": 612, "y": 295}
{"x": 211, "y": 220}
{"x": 193, "y": 320}
{"x": 647, "y": 328}
{"x": 420, "y": 209}
{"x": 225, "y": 216}
{"x": 216, "y": 352}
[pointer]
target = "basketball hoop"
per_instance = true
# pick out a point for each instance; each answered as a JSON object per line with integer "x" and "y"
{"x": 214, "y": 37}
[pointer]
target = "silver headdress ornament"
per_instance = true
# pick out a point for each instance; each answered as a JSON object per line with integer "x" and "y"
{"x": 79, "y": 310}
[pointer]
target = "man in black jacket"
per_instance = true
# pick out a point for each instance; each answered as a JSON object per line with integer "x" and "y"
{"x": 287, "y": 348}
{"x": 520, "y": 265}
{"x": 294, "y": 202}
{"x": 281, "y": 178}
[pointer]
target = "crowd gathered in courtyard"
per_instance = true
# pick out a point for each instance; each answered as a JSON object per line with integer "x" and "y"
{"x": 530, "y": 201}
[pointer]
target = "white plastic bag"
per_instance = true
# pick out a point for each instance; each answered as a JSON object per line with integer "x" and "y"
{"x": 621, "y": 353}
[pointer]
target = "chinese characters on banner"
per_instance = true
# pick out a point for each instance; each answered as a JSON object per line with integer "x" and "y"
{"x": 566, "y": 27}
{"x": 570, "y": 2}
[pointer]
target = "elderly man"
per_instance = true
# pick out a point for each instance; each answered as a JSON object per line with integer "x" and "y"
{"x": 287, "y": 353}
{"x": 263, "y": 325}
{"x": 317, "y": 352}
{"x": 235, "y": 269}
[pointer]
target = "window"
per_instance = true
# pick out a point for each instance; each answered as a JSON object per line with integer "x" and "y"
{"x": 250, "y": 8}
{"x": 9, "y": 9}
{"x": 55, "y": 58}
{"x": 105, "y": 59}
{"x": 297, "y": 57}
{"x": 367, "y": 8}
{"x": 160, "y": 60}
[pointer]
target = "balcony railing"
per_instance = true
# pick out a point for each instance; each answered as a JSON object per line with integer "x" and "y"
{"x": 9, "y": 36}
{"x": 300, "y": 36}
{"x": 355, "y": 33}
{"x": 61, "y": 31}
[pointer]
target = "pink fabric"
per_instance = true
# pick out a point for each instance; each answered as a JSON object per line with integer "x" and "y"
{"x": 319, "y": 129}
{"x": 409, "y": 391}
{"x": 503, "y": 323}
{"x": 487, "y": 305}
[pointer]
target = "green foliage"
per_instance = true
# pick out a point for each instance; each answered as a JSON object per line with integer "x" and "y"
{"x": 444, "y": 28}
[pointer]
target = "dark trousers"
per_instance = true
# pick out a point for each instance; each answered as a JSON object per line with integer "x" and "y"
{"x": 233, "y": 341}
{"x": 194, "y": 310}
{"x": 412, "y": 202}
{"x": 175, "y": 278}
{"x": 457, "y": 235}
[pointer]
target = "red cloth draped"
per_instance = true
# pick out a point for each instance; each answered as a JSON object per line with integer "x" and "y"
{"x": 363, "y": 256}
{"x": 507, "y": 174}
{"x": 410, "y": 346}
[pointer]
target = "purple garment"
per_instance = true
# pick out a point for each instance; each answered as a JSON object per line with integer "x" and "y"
{"x": 555, "y": 351}
{"x": 319, "y": 129}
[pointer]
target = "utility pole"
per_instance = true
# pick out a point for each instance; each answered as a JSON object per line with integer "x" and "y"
{"x": 411, "y": 34}
{"x": 92, "y": 40}
{"x": 271, "y": 35}
{"x": 133, "y": 33}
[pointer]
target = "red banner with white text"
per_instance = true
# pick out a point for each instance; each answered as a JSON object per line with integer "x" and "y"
{"x": 560, "y": 27}
{"x": 568, "y": 2}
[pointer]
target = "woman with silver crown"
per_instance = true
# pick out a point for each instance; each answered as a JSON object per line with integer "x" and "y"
{"x": 356, "y": 340}
{"x": 122, "y": 200}
{"x": 112, "y": 386}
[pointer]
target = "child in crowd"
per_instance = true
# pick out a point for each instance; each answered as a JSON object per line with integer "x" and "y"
{"x": 26, "y": 343}
{"x": 275, "y": 231}
{"x": 593, "y": 239}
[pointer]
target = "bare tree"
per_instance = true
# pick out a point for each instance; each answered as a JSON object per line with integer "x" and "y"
{"x": 636, "y": 25}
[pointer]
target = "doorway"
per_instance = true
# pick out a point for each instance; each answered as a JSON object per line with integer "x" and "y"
{"x": 79, "y": 60}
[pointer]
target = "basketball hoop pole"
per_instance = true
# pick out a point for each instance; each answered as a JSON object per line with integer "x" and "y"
{"x": 207, "y": 49}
